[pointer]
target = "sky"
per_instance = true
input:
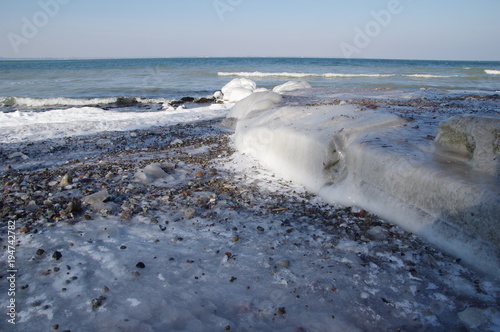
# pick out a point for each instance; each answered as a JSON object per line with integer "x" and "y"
{"x": 389, "y": 29}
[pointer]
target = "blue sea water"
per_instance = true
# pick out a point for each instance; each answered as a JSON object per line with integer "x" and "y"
{"x": 200, "y": 77}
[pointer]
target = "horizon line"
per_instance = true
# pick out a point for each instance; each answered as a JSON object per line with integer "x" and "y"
{"x": 227, "y": 57}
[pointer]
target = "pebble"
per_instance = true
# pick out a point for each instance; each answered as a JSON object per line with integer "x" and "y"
{"x": 140, "y": 265}
{"x": 283, "y": 263}
{"x": 57, "y": 255}
{"x": 189, "y": 213}
{"x": 96, "y": 303}
{"x": 66, "y": 180}
{"x": 40, "y": 252}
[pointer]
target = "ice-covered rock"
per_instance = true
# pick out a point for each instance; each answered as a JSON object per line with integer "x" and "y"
{"x": 291, "y": 86}
{"x": 254, "y": 103}
{"x": 238, "y": 89}
{"x": 372, "y": 159}
{"x": 475, "y": 137}
{"x": 98, "y": 197}
{"x": 150, "y": 174}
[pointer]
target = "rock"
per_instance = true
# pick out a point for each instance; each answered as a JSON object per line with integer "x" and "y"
{"x": 140, "y": 265}
{"x": 96, "y": 303}
{"x": 176, "y": 142}
{"x": 56, "y": 255}
{"x": 477, "y": 136}
{"x": 40, "y": 252}
{"x": 24, "y": 229}
{"x": 204, "y": 100}
{"x": 98, "y": 197}
{"x": 283, "y": 263}
{"x": 189, "y": 213}
{"x": 66, "y": 180}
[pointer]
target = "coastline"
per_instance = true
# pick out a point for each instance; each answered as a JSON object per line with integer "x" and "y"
{"x": 224, "y": 242}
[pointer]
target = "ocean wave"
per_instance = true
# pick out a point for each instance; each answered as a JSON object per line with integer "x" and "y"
{"x": 429, "y": 76}
{"x": 63, "y": 101}
{"x": 300, "y": 75}
{"x": 492, "y": 72}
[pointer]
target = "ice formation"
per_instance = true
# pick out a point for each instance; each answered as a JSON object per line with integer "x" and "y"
{"x": 291, "y": 86}
{"x": 371, "y": 158}
{"x": 238, "y": 89}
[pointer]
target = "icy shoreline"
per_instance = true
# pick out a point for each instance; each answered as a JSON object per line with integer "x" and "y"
{"x": 380, "y": 154}
{"x": 224, "y": 244}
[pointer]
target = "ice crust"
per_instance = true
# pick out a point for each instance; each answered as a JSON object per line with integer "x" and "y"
{"x": 238, "y": 89}
{"x": 372, "y": 158}
{"x": 291, "y": 86}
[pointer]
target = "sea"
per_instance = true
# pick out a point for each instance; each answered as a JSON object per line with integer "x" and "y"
{"x": 39, "y": 85}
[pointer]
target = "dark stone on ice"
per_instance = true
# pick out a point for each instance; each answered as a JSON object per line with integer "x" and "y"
{"x": 96, "y": 303}
{"x": 140, "y": 265}
{"x": 204, "y": 100}
{"x": 56, "y": 255}
{"x": 40, "y": 252}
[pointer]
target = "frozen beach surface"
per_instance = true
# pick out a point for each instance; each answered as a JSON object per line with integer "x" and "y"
{"x": 158, "y": 224}
{"x": 372, "y": 153}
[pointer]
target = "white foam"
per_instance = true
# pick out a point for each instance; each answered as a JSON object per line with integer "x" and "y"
{"x": 300, "y": 75}
{"x": 492, "y": 72}
{"x": 66, "y": 102}
{"x": 19, "y": 125}
{"x": 429, "y": 76}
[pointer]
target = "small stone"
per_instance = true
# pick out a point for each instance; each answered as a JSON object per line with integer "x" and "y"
{"x": 199, "y": 174}
{"x": 282, "y": 311}
{"x": 105, "y": 289}
{"x": 189, "y": 213}
{"x": 123, "y": 247}
{"x": 55, "y": 327}
{"x": 260, "y": 228}
{"x": 24, "y": 229}
{"x": 40, "y": 252}
{"x": 66, "y": 180}
{"x": 56, "y": 255}
{"x": 283, "y": 263}
{"x": 96, "y": 303}
{"x": 236, "y": 238}
{"x": 98, "y": 197}
{"x": 140, "y": 265}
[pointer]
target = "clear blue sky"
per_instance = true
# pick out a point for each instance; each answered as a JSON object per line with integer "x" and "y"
{"x": 415, "y": 29}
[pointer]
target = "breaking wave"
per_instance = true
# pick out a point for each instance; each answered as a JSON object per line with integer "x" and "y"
{"x": 66, "y": 102}
{"x": 300, "y": 75}
{"x": 430, "y": 76}
{"x": 492, "y": 72}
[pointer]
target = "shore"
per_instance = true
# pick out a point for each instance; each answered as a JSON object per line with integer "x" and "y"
{"x": 170, "y": 228}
